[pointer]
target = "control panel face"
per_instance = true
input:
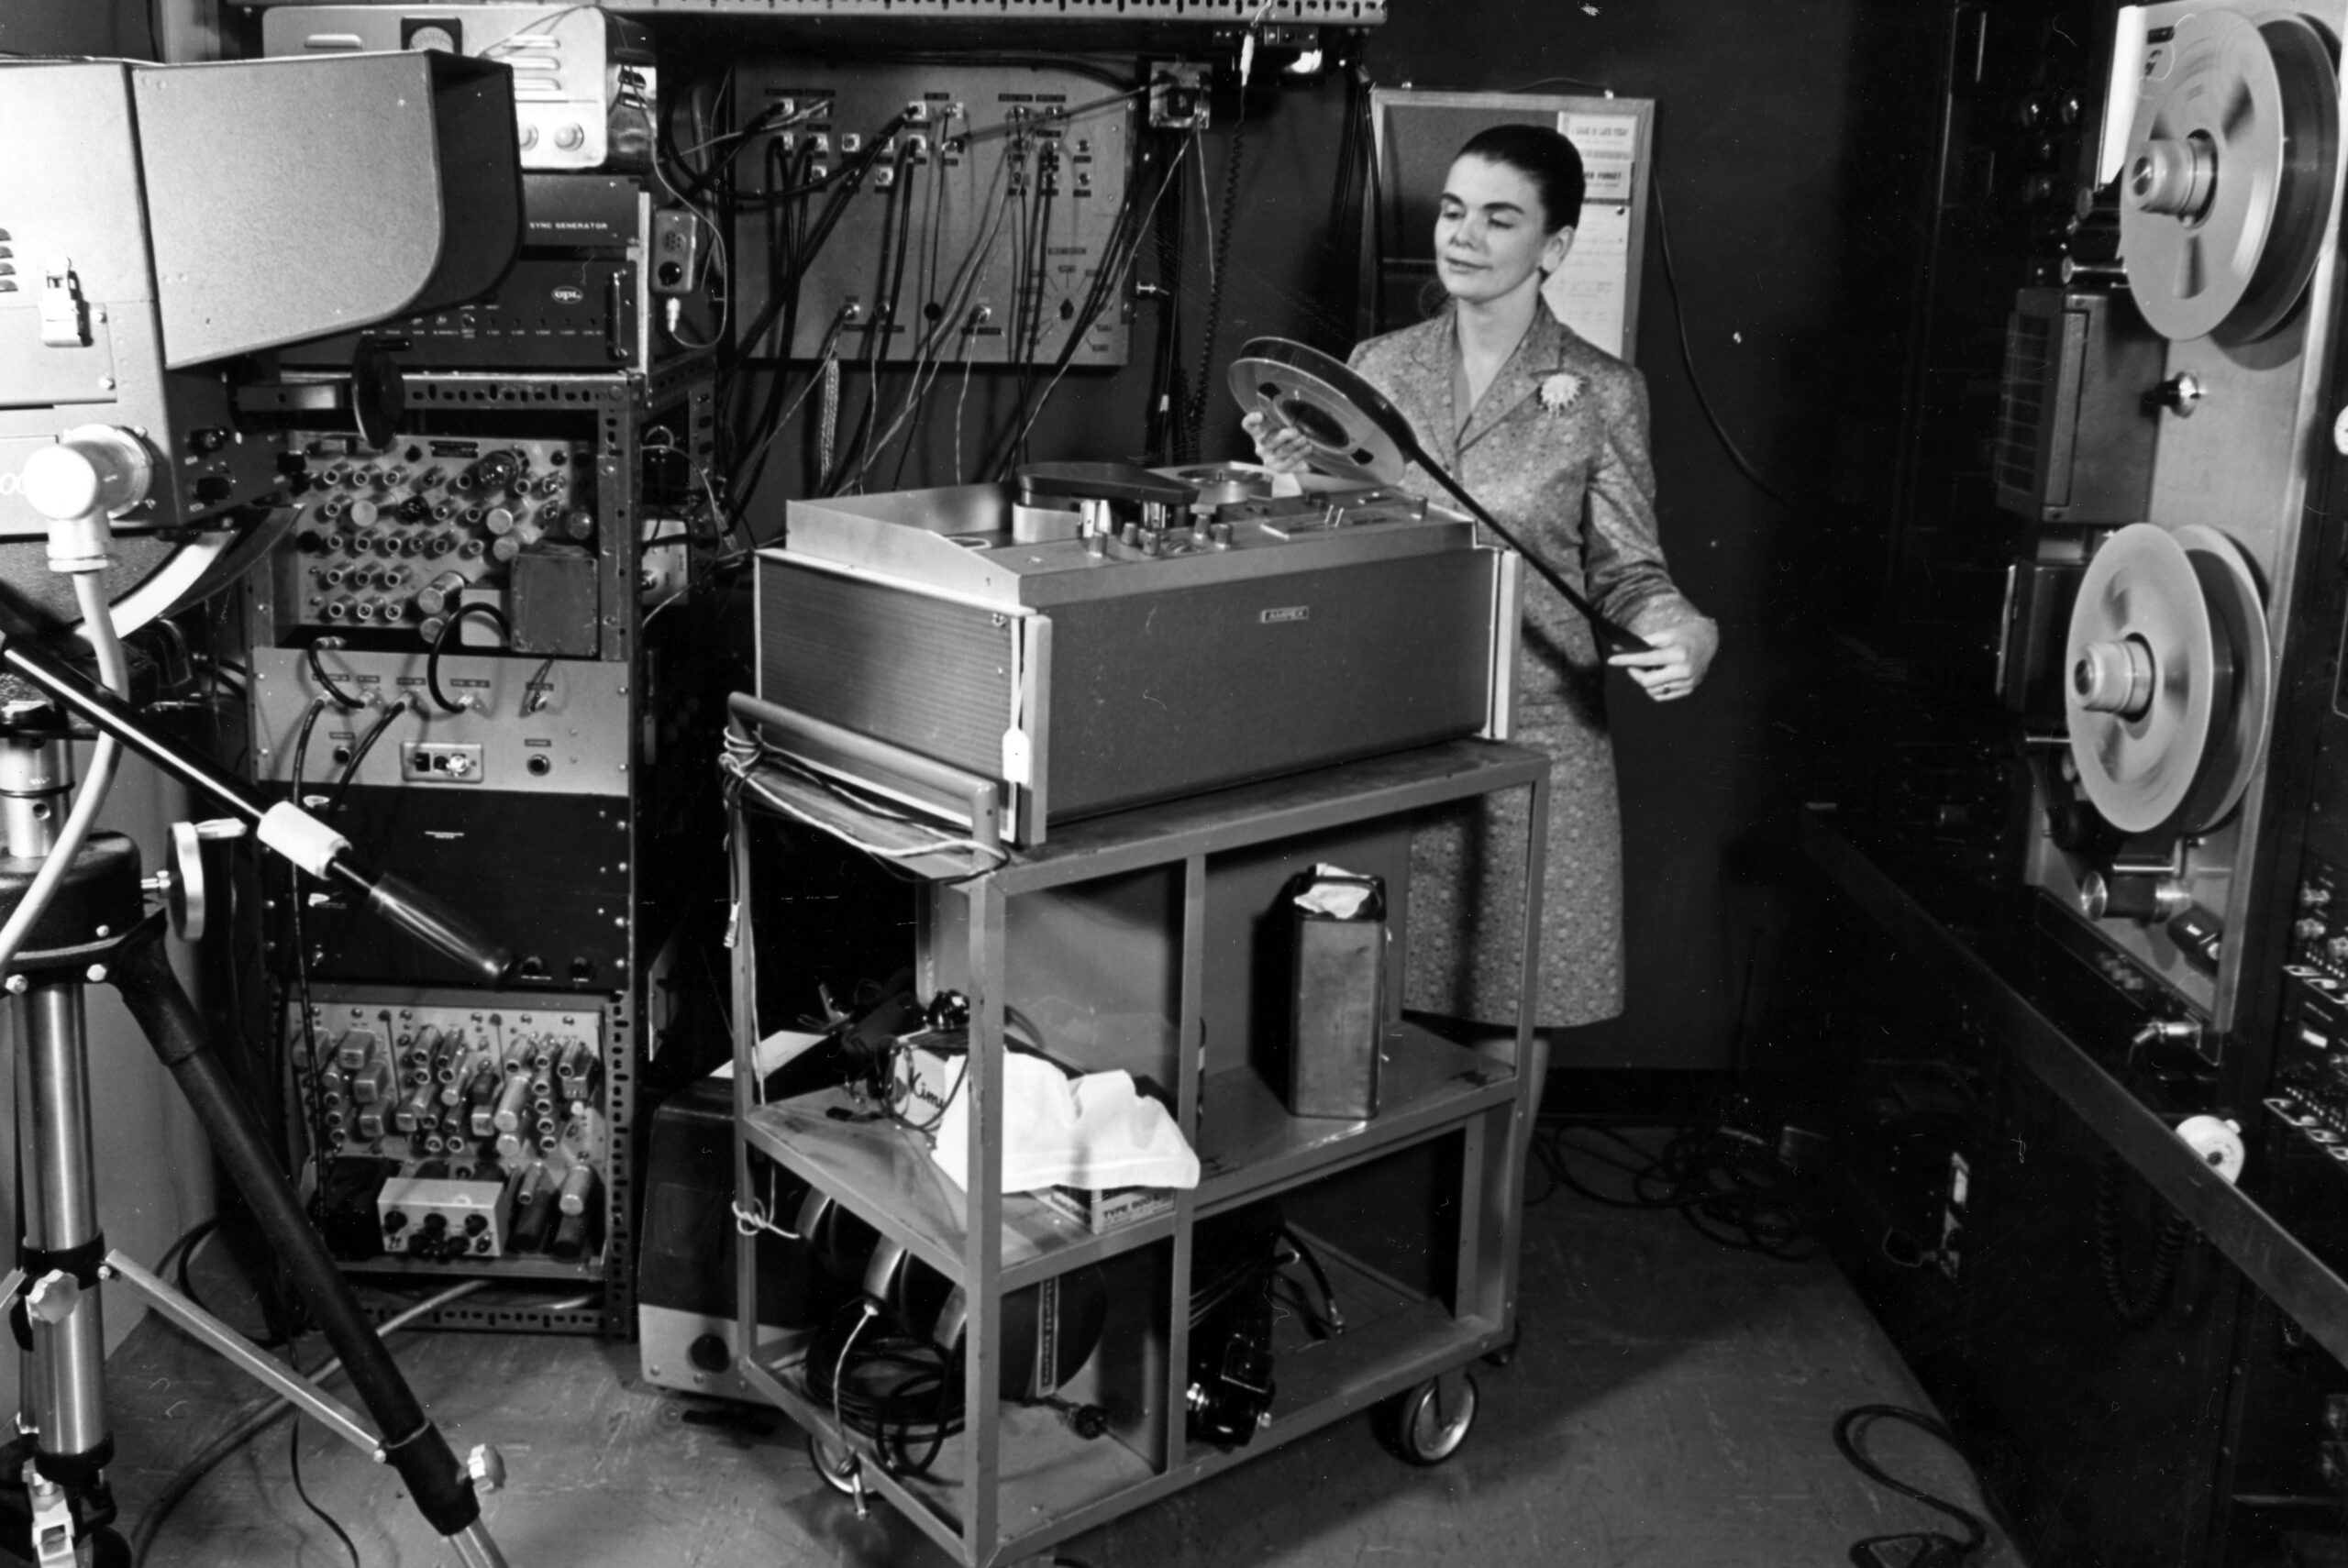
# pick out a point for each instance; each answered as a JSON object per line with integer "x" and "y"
{"x": 530, "y": 726}
{"x": 2309, "y": 1089}
{"x": 980, "y": 218}
{"x": 443, "y": 1218}
{"x": 455, "y": 1131}
{"x": 2320, "y": 921}
{"x": 479, "y": 1088}
{"x": 404, "y": 539}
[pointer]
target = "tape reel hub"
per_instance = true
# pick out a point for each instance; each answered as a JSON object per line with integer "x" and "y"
{"x": 2230, "y": 173}
{"x": 2114, "y": 678}
{"x": 2176, "y": 178}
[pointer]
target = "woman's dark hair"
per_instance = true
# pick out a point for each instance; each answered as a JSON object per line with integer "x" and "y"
{"x": 1542, "y": 156}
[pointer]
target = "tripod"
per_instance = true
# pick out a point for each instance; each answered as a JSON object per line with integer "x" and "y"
{"x": 89, "y": 924}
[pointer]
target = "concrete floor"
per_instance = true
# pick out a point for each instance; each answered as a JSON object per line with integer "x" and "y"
{"x": 1670, "y": 1405}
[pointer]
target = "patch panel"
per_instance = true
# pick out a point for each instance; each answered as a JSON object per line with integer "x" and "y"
{"x": 401, "y": 540}
{"x": 1002, "y": 183}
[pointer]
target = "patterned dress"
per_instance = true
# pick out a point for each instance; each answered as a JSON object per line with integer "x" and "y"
{"x": 1577, "y": 484}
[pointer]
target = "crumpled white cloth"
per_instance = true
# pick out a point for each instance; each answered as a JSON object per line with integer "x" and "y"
{"x": 1095, "y": 1131}
{"x": 1338, "y": 893}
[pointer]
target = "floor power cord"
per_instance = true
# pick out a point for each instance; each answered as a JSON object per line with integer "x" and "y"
{"x": 1912, "y": 1549}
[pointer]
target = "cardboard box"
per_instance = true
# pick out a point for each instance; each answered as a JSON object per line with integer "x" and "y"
{"x": 1111, "y": 1209}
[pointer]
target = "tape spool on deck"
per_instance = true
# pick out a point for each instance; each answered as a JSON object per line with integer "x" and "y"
{"x": 2170, "y": 685}
{"x": 1220, "y": 485}
{"x": 2227, "y": 188}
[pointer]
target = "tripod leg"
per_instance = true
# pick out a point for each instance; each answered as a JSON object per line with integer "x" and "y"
{"x": 442, "y": 1490}
{"x": 63, "y": 1248}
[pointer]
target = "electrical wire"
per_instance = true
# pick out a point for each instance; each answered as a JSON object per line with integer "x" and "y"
{"x": 825, "y": 357}
{"x": 1722, "y": 1179}
{"x": 902, "y": 1392}
{"x": 448, "y": 629}
{"x": 745, "y": 755}
{"x": 1218, "y": 272}
{"x": 2135, "y": 1308}
{"x": 252, "y": 1419}
{"x": 896, "y": 236}
{"x": 1108, "y": 283}
{"x": 406, "y": 703}
{"x": 1846, "y": 1426}
{"x": 293, "y": 1466}
{"x": 1688, "y": 352}
{"x": 106, "y": 757}
{"x": 327, "y": 683}
{"x": 313, "y": 1105}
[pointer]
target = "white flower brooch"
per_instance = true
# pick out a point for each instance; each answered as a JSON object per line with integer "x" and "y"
{"x": 1560, "y": 392}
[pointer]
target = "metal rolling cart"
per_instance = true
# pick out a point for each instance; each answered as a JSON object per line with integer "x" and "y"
{"x": 1138, "y": 936}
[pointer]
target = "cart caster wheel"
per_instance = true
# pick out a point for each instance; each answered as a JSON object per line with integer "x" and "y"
{"x": 836, "y": 1466}
{"x": 1505, "y": 1355}
{"x": 1429, "y": 1424}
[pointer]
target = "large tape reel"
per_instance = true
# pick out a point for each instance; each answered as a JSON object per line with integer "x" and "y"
{"x": 1348, "y": 422}
{"x": 2170, "y": 685}
{"x": 2227, "y": 182}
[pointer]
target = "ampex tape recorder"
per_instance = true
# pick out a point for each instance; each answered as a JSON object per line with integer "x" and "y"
{"x": 1098, "y": 636}
{"x": 2166, "y": 443}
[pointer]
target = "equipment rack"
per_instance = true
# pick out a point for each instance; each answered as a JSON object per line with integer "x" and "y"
{"x": 610, "y": 412}
{"x": 1202, "y": 872}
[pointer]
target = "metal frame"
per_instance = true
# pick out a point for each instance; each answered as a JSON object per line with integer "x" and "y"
{"x": 993, "y": 1242}
{"x": 1223, "y": 13}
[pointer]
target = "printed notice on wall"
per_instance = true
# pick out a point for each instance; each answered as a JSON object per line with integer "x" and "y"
{"x": 1589, "y": 292}
{"x": 1609, "y": 144}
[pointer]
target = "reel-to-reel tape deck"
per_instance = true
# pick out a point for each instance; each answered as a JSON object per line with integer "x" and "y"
{"x": 2144, "y": 658}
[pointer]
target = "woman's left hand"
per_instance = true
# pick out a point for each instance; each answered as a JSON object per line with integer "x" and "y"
{"x": 1675, "y": 661}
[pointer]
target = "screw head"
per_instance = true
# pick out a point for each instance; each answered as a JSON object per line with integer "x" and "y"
{"x": 485, "y": 1468}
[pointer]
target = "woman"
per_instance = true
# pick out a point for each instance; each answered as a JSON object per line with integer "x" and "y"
{"x": 1550, "y": 433}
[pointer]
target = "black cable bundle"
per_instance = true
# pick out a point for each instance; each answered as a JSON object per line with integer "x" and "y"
{"x": 1920, "y": 1549}
{"x": 1202, "y": 391}
{"x": 1348, "y": 211}
{"x": 895, "y": 1389}
{"x": 1724, "y": 1178}
{"x": 2136, "y": 1310}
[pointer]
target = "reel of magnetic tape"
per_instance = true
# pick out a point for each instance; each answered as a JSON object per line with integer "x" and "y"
{"x": 1355, "y": 433}
{"x": 2170, "y": 687}
{"x": 2228, "y": 174}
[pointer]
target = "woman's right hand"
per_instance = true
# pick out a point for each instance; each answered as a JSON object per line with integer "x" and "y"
{"x": 1284, "y": 451}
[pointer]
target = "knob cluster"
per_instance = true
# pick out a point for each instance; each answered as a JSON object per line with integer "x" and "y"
{"x": 393, "y": 540}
